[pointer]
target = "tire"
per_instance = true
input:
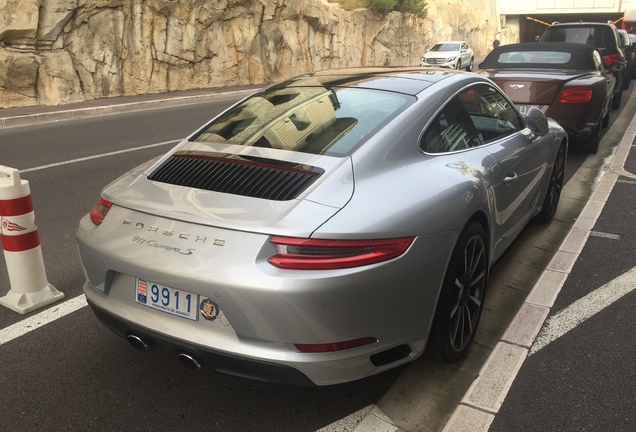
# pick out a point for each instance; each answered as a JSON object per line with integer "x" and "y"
{"x": 606, "y": 118}
{"x": 458, "y": 66}
{"x": 461, "y": 298}
{"x": 552, "y": 196}
{"x": 590, "y": 144}
{"x": 616, "y": 100}
{"x": 471, "y": 65}
{"x": 626, "y": 81}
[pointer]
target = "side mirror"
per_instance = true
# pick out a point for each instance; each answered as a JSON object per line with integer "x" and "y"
{"x": 537, "y": 122}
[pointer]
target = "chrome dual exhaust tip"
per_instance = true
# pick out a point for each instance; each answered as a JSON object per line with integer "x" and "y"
{"x": 140, "y": 343}
{"x": 189, "y": 362}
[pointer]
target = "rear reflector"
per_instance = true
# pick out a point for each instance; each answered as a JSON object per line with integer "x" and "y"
{"x": 100, "y": 210}
{"x": 335, "y": 346}
{"x": 317, "y": 254}
{"x": 576, "y": 95}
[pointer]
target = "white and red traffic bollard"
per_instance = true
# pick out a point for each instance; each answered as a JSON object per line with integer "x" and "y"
{"x": 30, "y": 289}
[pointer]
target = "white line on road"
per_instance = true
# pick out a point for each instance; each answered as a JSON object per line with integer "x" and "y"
{"x": 584, "y": 308}
{"x": 72, "y": 161}
{"x": 32, "y": 323}
{"x": 21, "y": 328}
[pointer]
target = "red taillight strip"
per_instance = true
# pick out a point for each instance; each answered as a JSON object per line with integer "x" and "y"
{"x": 335, "y": 346}
{"x": 318, "y": 254}
{"x": 610, "y": 59}
{"x": 100, "y": 210}
{"x": 576, "y": 95}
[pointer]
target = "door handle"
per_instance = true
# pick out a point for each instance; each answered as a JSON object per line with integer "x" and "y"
{"x": 510, "y": 178}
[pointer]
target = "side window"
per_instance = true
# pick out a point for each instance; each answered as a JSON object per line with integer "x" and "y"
{"x": 476, "y": 116}
{"x": 492, "y": 115}
{"x": 451, "y": 130}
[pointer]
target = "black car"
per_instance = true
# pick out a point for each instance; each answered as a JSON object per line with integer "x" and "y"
{"x": 567, "y": 81}
{"x": 604, "y": 37}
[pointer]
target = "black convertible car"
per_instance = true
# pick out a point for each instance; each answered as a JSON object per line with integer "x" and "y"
{"x": 567, "y": 81}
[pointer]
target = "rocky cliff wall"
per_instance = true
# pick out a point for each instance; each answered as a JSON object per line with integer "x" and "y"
{"x": 61, "y": 51}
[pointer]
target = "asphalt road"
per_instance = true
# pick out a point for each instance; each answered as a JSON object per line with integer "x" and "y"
{"x": 73, "y": 374}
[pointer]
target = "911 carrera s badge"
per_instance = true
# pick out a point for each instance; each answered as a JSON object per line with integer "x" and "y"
{"x": 209, "y": 310}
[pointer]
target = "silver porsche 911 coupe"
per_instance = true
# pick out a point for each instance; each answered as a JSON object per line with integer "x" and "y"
{"x": 326, "y": 228}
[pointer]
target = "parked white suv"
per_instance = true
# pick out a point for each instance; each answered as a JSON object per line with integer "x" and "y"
{"x": 452, "y": 54}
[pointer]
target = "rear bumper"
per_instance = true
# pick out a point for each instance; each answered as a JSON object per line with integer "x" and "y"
{"x": 578, "y": 130}
{"x": 220, "y": 362}
{"x": 264, "y": 311}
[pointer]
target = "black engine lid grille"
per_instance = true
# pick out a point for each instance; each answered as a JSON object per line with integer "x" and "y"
{"x": 237, "y": 175}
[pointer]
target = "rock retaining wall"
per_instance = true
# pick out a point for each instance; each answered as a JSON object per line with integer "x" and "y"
{"x": 62, "y": 51}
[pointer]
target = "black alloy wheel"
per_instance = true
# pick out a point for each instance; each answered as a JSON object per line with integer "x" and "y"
{"x": 461, "y": 299}
{"x": 551, "y": 201}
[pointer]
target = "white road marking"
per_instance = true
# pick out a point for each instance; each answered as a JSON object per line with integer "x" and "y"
{"x": 584, "y": 308}
{"x": 72, "y": 161}
{"x": 36, "y": 321}
{"x": 21, "y": 328}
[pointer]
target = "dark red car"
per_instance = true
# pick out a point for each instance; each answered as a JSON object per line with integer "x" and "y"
{"x": 567, "y": 81}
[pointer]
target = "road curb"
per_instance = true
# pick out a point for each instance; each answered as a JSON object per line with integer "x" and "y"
{"x": 482, "y": 401}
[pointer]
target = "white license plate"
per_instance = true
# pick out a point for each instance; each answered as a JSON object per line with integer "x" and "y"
{"x": 173, "y": 301}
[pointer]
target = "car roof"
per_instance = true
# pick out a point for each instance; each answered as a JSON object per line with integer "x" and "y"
{"x": 581, "y": 55}
{"x": 407, "y": 80}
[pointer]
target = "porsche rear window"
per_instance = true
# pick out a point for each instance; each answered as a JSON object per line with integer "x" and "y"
{"x": 317, "y": 120}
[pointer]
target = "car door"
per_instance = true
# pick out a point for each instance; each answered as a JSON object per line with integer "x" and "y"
{"x": 521, "y": 159}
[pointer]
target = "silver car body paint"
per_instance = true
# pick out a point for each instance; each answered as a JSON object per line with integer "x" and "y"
{"x": 216, "y": 244}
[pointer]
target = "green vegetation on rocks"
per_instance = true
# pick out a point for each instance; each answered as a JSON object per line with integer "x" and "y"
{"x": 417, "y": 7}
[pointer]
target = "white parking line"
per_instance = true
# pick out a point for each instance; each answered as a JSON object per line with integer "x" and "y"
{"x": 584, "y": 308}
{"x": 36, "y": 321}
{"x": 21, "y": 328}
{"x": 72, "y": 161}
{"x": 482, "y": 401}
